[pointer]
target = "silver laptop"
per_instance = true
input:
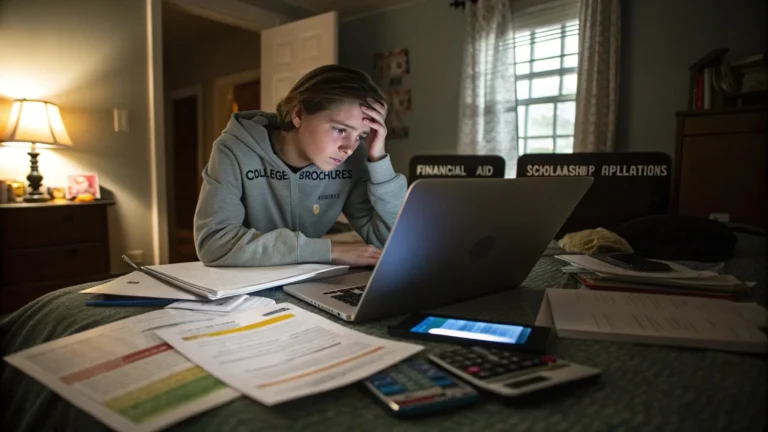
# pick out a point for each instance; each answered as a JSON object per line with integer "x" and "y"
{"x": 453, "y": 240}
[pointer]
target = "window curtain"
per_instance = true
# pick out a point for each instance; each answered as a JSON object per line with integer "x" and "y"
{"x": 487, "y": 105}
{"x": 597, "y": 94}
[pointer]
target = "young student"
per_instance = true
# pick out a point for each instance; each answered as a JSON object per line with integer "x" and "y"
{"x": 276, "y": 182}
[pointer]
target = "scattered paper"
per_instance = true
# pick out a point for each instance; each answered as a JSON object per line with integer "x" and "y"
{"x": 597, "y": 266}
{"x": 220, "y": 307}
{"x": 125, "y": 375}
{"x": 138, "y": 284}
{"x": 282, "y": 353}
{"x": 544, "y": 317}
{"x": 658, "y": 319}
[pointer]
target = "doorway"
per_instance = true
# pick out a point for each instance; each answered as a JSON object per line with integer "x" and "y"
{"x": 184, "y": 150}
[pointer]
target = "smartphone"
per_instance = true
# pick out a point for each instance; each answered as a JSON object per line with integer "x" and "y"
{"x": 457, "y": 330}
{"x": 634, "y": 262}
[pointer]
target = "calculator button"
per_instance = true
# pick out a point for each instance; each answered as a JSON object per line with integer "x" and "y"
{"x": 473, "y": 369}
{"x": 484, "y": 374}
{"x": 383, "y": 380}
{"x": 391, "y": 389}
{"x": 445, "y": 382}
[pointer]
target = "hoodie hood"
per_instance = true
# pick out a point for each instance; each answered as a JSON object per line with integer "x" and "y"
{"x": 253, "y": 128}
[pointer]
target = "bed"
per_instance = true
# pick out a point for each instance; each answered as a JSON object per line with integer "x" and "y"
{"x": 642, "y": 387}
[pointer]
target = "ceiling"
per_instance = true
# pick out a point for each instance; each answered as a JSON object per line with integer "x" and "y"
{"x": 348, "y": 8}
{"x": 179, "y": 25}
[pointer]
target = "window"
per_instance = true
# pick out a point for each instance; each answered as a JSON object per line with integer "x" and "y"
{"x": 545, "y": 66}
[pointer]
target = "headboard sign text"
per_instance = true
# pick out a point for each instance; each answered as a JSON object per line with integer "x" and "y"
{"x": 456, "y": 166}
{"x": 626, "y": 186}
{"x": 593, "y": 171}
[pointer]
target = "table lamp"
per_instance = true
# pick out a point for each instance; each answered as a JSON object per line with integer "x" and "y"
{"x": 35, "y": 123}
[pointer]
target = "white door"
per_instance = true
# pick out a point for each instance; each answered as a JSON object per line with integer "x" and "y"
{"x": 291, "y": 50}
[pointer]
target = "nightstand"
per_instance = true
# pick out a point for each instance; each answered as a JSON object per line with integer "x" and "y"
{"x": 48, "y": 246}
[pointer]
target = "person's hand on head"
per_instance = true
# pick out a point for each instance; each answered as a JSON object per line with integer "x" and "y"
{"x": 354, "y": 254}
{"x": 375, "y": 118}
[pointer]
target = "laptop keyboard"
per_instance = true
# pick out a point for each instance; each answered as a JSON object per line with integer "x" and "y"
{"x": 350, "y": 296}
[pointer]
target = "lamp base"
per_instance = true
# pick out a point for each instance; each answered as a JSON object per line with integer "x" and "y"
{"x": 36, "y": 198}
{"x": 35, "y": 179}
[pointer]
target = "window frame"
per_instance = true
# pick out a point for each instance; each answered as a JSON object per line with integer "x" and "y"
{"x": 566, "y": 28}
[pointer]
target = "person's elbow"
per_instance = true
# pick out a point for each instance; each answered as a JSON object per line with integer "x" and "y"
{"x": 211, "y": 250}
{"x": 208, "y": 254}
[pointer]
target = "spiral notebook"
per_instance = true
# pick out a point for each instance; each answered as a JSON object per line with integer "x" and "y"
{"x": 219, "y": 282}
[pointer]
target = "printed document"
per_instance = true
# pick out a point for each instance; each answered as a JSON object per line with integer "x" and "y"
{"x": 126, "y": 376}
{"x": 677, "y": 271}
{"x": 283, "y": 352}
{"x": 656, "y": 319}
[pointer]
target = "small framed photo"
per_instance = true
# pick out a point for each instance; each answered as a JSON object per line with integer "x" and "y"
{"x": 83, "y": 183}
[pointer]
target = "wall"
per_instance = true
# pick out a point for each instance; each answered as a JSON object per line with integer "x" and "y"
{"x": 198, "y": 51}
{"x": 433, "y": 33}
{"x": 660, "y": 40}
{"x": 88, "y": 57}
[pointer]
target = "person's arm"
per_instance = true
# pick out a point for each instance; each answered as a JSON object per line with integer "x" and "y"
{"x": 222, "y": 240}
{"x": 374, "y": 201}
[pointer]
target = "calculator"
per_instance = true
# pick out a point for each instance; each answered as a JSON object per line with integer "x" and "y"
{"x": 415, "y": 386}
{"x": 509, "y": 373}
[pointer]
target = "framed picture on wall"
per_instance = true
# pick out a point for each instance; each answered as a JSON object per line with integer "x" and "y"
{"x": 83, "y": 183}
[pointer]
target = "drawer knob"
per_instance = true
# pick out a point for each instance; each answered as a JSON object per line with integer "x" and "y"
{"x": 67, "y": 218}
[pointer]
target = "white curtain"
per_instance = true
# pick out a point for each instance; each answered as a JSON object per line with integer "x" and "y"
{"x": 488, "y": 106}
{"x": 597, "y": 97}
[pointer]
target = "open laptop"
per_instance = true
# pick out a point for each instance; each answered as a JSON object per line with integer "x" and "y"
{"x": 452, "y": 240}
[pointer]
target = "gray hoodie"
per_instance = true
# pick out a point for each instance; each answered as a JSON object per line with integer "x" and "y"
{"x": 254, "y": 211}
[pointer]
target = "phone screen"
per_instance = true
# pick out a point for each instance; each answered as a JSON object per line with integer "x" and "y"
{"x": 492, "y": 332}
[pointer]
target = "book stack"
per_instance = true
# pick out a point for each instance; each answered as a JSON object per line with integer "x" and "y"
{"x": 595, "y": 274}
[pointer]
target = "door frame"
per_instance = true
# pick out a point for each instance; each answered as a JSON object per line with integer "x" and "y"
{"x": 221, "y": 93}
{"x": 193, "y": 90}
{"x": 197, "y": 91}
{"x": 156, "y": 97}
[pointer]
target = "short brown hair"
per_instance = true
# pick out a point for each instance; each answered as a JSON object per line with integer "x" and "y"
{"x": 324, "y": 87}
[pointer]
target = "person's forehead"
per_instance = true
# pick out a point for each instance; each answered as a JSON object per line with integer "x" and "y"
{"x": 348, "y": 114}
{"x": 346, "y": 110}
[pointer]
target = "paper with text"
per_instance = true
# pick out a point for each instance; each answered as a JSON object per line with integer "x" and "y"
{"x": 125, "y": 375}
{"x": 677, "y": 271}
{"x": 660, "y": 319}
{"x": 282, "y": 353}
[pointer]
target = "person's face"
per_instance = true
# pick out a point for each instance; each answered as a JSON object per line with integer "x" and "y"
{"x": 329, "y": 137}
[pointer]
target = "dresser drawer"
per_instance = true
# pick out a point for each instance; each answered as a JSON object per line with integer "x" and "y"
{"x": 725, "y": 123}
{"x": 53, "y": 263}
{"x": 52, "y": 226}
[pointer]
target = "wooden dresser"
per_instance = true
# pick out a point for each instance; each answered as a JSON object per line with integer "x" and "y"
{"x": 720, "y": 165}
{"x": 47, "y": 246}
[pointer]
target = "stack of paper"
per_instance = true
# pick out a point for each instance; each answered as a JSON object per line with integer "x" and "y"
{"x": 680, "y": 280}
{"x": 225, "y": 305}
{"x": 195, "y": 281}
{"x": 655, "y": 319}
{"x": 219, "y": 282}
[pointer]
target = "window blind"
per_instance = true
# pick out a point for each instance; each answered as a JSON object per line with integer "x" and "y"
{"x": 531, "y": 14}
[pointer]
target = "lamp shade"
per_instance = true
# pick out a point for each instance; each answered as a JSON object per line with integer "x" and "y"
{"x": 35, "y": 122}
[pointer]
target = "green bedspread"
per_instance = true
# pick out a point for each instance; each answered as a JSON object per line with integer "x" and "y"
{"x": 645, "y": 388}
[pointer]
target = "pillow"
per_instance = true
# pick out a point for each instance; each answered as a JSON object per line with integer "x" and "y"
{"x": 679, "y": 238}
